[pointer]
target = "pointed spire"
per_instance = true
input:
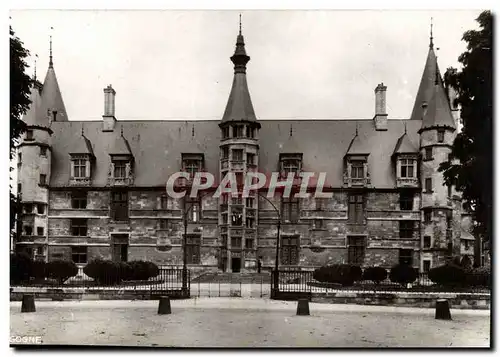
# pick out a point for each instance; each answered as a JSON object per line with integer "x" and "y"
{"x": 431, "y": 43}
{"x": 239, "y": 105}
{"x": 438, "y": 113}
{"x": 51, "y": 63}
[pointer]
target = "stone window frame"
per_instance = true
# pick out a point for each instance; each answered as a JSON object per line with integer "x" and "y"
{"x": 440, "y": 135}
{"x": 80, "y": 166}
{"x": 29, "y": 135}
{"x": 406, "y": 199}
{"x": 193, "y": 163}
{"x": 238, "y": 241}
{"x": 42, "y": 210}
{"x": 427, "y": 215}
{"x": 290, "y": 209}
{"x": 28, "y": 230}
{"x": 43, "y": 180}
{"x": 79, "y": 199}
{"x": 79, "y": 225}
{"x": 251, "y": 241}
{"x": 406, "y": 163}
{"x": 79, "y": 254}
{"x": 43, "y": 151}
{"x": 406, "y": 229}
{"x": 428, "y": 185}
{"x": 424, "y": 267}
{"x": 356, "y": 249}
{"x": 290, "y": 249}
{"x": 356, "y": 204}
{"x": 39, "y": 231}
{"x": 193, "y": 248}
{"x": 428, "y": 153}
{"x": 407, "y": 257}
{"x": 427, "y": 239}
{"x": 290, "y": 162}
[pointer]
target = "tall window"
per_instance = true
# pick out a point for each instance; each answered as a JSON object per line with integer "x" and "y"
{"x": 357, "y": 169}
{"x": 40, "y": 208}
{"x": 290, "y": 209}
{"x": 428, "y": 184}
{"x": 225, "y": 133}
{"x": 28, "y": 230}
{"x": 250, "y": 159}
{"x": 249, "y": 222}
{"x": 290, "y": 250}
{"x": 408, "y": 168}
{"x": 193, "y": 205}
{"x": 427, "y": 242}
{"x": 406, "y": 257}
{"x": 318, "y": 224}
{"x": 426, "y": 265}
{"x": 28, "y": 208}
{"x": 427, "y": 215}
{"x": 356, "y": 250}
{"x": 79, "y": 200}
{"x": 39, "y": 231}
{"x": 164, "y": 202}
{"x": 165, "y": 224}
{"x": 120, "y": 167}
{"x": 238, "y": 131}
{"x": 119, "y": 205}
{"x": 249, "y": 202}
{"x": 237, "y": 154}
{"x": 79, "y": 255}
{"x": 406, "y": 229}
{"x": 43, "y": 151}
{"x": 19, "y": 158}
{"x": 79, "y": 227}
{"x": 236, "y": 216}
{"x": 428, "y": 153}
{"x": 193, "y": 249}
{"x": 440, "y": 135}
{"x": 236, "y": 242}
{"x": 356, "y": 208}
{"x": 249, "y": 243}
{"x": 29, "y": 134}
{"x": 406, "y": 200}
{"x": 43, "y": 179}
{"x": 225, "y": 152}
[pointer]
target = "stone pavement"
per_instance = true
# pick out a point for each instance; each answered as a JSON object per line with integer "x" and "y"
{"x": 240, "y": 322}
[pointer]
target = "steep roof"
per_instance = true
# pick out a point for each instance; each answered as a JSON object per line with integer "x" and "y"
{"x": 239, "y": 105}
{"x": 405, "y": 146}
{"x": 32, "y": 116}
{"x": 158, "y": 146}
{"x": 426, "y": 85}
{"x": 51, "y": 98}
{"x": 120, "y": 146}
{"x": 81, "y": 145}
{"x": 438, "y": 112}
{"x": 357, "y": 145}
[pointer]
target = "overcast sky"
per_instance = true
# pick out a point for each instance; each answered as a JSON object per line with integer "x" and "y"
{"x": 175, "y": 64}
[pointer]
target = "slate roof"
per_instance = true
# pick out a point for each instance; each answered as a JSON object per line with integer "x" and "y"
{"x": 52, "y": 98}
{"x": 81, "y": 145}
{"x": 405, "y": 146}
{"x": 157, "y": 147}
{"x": 426, "y": 86}
{"x": 438, "y": 112}
{"x": 33, "y": 114}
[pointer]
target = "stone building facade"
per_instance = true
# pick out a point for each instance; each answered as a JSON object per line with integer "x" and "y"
{"x": 97, "y": 188}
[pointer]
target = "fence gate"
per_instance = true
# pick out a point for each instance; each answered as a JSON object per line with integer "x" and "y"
{"x": 292, "y": 284}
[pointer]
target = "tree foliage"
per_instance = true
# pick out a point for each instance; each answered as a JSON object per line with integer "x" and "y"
{"x": 20, "y": 85}
{"x": 470, "y": 167}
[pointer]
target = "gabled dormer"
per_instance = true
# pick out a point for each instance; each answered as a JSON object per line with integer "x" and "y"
{"x": 290, "y": 159}
{"x": 82, "y": 162}
{"x": 121, "y": 170}
{"x": 356, "y": 170}
{"x": 405, "y": 159}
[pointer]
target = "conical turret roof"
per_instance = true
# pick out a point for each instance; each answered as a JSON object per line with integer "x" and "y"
{"x": 438, "y": 112}
{"x": 33, "y": 116}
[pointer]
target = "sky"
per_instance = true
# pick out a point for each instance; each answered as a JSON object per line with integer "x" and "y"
{"x": 170, "y": 64}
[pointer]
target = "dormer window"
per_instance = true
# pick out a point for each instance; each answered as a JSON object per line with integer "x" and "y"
{"x": 121, "y": 171}
{"x": 356, "y": 170}
{"x": 80, "y": 169}
{"x": 192, "y": 163}
{"x": 406, "y": 171}
{"x": 290, "y": 163}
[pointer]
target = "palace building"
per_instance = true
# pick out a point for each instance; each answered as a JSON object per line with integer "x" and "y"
{"x": 97, "y": 188}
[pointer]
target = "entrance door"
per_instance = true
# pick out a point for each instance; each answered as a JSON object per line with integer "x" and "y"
{"x": 119, "y": 247}
{"x": 235, "y": 265}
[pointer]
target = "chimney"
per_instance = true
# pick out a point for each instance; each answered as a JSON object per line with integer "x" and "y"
{"x": 380, "y": 118}
{"x": 108, "y": 117}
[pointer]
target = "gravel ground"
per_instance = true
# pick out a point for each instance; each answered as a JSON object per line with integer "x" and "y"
{"x": 239, "y": 322}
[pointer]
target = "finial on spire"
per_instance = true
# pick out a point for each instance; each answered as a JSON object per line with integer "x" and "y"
{"x": 82, "y": 129}
{"x": 51, "y": 64}
{"x": 34, "y": 74}
{"x": 431, "y": 44}
{"x": 240, "y": 24}
{"x": 192, "y": 131}
{"x": 121, "y": 130}
{"x": 356, "y": 128}
{"x": 405, "y": 127}
{"x": 291, "y": 130}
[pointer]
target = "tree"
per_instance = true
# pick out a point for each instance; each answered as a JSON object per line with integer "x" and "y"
{"x": 20, "y": 87}
{"x": 470, "y": 167}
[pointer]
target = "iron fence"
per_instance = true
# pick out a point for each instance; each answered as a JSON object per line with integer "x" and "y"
{"x": 299, "y": 282}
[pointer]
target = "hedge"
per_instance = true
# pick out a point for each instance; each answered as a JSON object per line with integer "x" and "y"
{"x": 20, "y": 268}
{"x": 403, "y": 274}
{"x": 343, "y": 274}
{"x": 375, "y": 274}
{"x": 447, "y": 275}
{"x": 109, "y": 272}
{"x": 61, "y": 270}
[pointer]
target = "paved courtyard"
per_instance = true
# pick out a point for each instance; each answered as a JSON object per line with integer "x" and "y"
{"x": 241, "y": 322}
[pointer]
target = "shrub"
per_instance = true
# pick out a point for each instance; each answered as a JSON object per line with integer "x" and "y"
{"x": 375, "y": 274}
{"x": 478, "y": 277}
{"x": 338, "y": 273}
{"x": 142, "y": 270}
{"x": 104, "y": 272}
{"x": 447, "y": 275}
{"x": 61, "y": 270}
{"x": 38, "y": 270}
{"x": 403, "y": 274}
{"x": 20, "y": 267}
